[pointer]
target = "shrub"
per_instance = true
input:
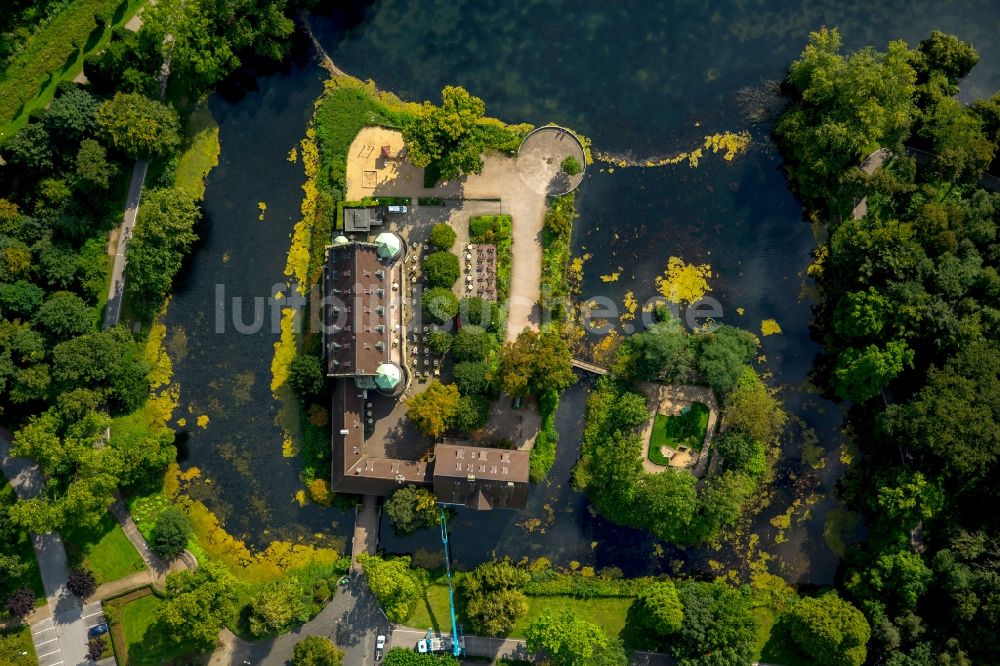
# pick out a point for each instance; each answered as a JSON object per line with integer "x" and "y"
{"x": 96, "y": 648}
{"x": 170, "y": 533}
{"x": 570, "y": 166}
{"x": 81, "y": 583}
{"x": 20, "y": 602}
{"x": 480, "y": 312}
{"x": 442, "y": 236}
{"x": 441, "y": 269}
{"x": 317, "y": 651}
{"x": 276, "y": 607}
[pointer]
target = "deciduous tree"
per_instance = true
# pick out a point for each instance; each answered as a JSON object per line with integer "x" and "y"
{"x": 434, "y": 409}
{"x": 829, "y": 630}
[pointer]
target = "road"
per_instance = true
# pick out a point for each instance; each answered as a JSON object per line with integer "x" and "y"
{"x": 352, "y": 619}
{"x": 117, "y": 287}
{"x": 61, "y": 638}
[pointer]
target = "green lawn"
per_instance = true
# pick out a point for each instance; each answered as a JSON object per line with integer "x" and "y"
{"x": 55, "y": 54}
{"x": 146, "y": 641}
{"x": 23, "y": 548}
{"x": 684, "y": 429}
{"x": 13, "y": 643}
{"x": 609, "y": 613}
{"x": 105, "y": 550}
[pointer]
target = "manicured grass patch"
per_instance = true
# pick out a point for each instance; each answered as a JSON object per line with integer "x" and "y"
{"x": 147, "y": 641}
{"x": 32, "y": 579}
{"x": 54, "y": 54}
{"x": 610, "y": 613}
{"x": 684, "y": 429}
{"x": 200, "y": 154}
{"x": 17, "y": 641}
{"x": 105, "y": 550}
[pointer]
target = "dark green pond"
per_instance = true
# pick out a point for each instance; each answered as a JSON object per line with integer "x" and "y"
{"x": 640, "y": 79}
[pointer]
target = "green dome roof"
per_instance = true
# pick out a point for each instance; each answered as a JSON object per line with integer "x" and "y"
{"x": 388, "y": 245}
{"x": 340, "y": 240}
{"x": 388, "y": 376}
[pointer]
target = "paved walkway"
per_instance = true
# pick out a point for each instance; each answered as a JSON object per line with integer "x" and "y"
{"x": 116, "y": 290}
{"x": 62, "y": 637}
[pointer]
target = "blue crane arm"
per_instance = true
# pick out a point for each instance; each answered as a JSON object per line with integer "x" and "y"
{"x": 456, "y": 647}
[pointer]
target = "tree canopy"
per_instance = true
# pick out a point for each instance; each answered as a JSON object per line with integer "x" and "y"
{"x": 447, "y": 136}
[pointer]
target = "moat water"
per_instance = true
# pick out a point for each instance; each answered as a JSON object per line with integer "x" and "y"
{"x": 640, "y": 79}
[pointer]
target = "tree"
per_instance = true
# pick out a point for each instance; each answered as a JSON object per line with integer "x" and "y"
{"x": 396, "y": 586}
{"x": 198, "y": 604}
{"x": 439, "y": 342}
{"x": 20, "y": 603}
{"x": 472, "y": 414}
{"x": 164, "y": 233}
{"x": 72, "y": 115}
{"x": 448, "y": 136}
{"x": 31, "y": 149}
{"x": 317, "y": 651}
{"x": 662, "y": 351}
{"x": 829, "y": 630}
{"x": 961, "y": 149}
{"x": 21, "y": 298}
{"x": 536, "y": 362}
{"x": 81, "y": 583}
{"x": 570, "y": 166}
{"x": 847, "y": 105}
{"x": 108, "y": 360}
{"x": 723, "y": 355}
{"x": 441, "y": 269}
{"x": 472, "y": 378}
{"x": 64, "y": 315}
{"x": 410, "y": 509}
{"x": 718, "y": 627}
{"x": 754, "y": 409}
{"x": 946, "y": 54}
{"x": 861, "y": 374}
{"x": 439, "y": 305}
{"x": 170, "y": 533}
{"x": 861, "y": 314}
{"x": 471, "y": 343}
{"x": 569, "y": 641}
{"x": 660, "y": 608}
{"x": 306, "y": 376}
{"x": 442, "y": 236}
{"x": 93, "y": 171}
{"x": 277, "y": 606}
{"x": 741, "y": 452}
{"x": 434, "y": 409}
{"x": 901, "y": 576}
{"x": 139, "y": 126}
{"x": 493, "y": 598}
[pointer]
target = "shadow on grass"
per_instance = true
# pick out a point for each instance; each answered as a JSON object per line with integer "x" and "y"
{"x": 635, "y": 635}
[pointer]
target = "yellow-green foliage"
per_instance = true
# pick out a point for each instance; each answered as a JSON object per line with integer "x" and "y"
{"x": 201, "y": 154}
{"x": 730, "y": 144}
{"x": 683, "y": 282}
{"x": 770, "y": 327}
{"x": 297, "y": 264}
{"x": 51, "y": 55}
{"x": 278, "y": 559}
{"x": 161, "y": 369}
{"x": 284, "y": 350}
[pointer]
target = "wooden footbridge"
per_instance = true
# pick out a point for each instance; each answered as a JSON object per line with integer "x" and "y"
{"x": 589, "y": 367}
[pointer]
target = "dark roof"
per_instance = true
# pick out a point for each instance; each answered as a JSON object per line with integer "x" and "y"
{"x": 363, "y": 219}
{"x": 352, "y": 471}
{"x": 359, "y": 310}
{"x": 481, "y": 477}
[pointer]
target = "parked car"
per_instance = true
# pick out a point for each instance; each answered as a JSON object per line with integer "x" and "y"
{"x": 98, "y": 630}
{"x": 379, "y": 647}
{"x": 397, "y": 209}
